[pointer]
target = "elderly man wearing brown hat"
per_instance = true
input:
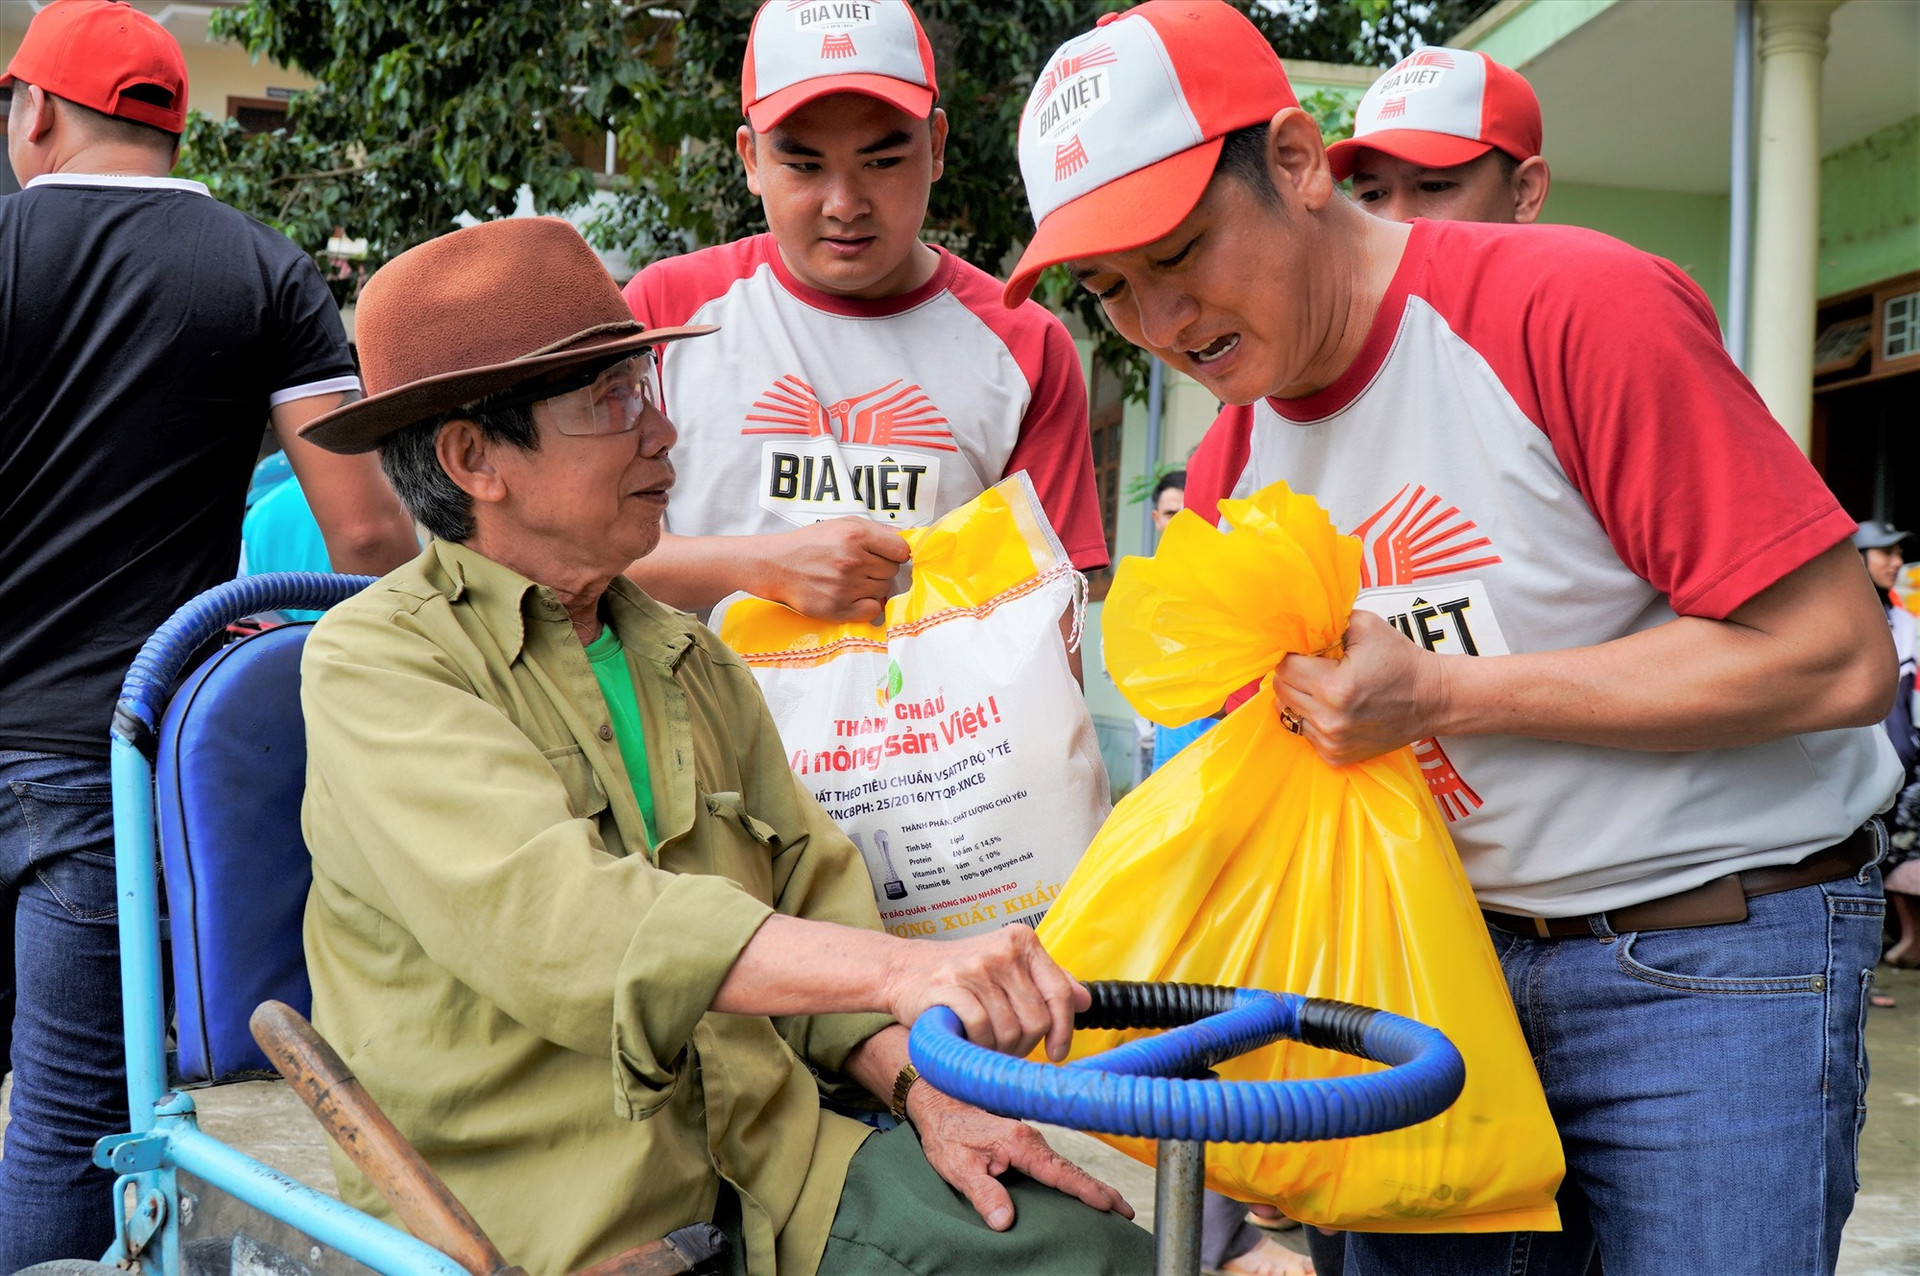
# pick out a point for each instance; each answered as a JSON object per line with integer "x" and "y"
{"x": 574, "y": 922}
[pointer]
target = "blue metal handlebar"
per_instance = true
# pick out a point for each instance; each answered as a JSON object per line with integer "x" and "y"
{"x": 1146, "y": 1087}
{"x": 150, "y": 679}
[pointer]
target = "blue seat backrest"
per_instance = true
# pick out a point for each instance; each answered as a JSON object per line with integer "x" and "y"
{"x": 228, "y": 780}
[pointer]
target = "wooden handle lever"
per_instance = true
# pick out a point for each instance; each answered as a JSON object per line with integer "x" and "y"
{"x": 375, "y": 1146}
{"x": 397, "y": 1170}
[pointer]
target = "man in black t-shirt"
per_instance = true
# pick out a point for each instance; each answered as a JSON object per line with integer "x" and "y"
{"x": 146, "y": 332}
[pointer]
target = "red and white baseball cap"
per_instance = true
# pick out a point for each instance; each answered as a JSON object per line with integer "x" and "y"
{"x": 806, "y": 49}
{"x": 1440, "y": 107}
{"x": 107, "y": 56}
{"x": 1124, "y": 127}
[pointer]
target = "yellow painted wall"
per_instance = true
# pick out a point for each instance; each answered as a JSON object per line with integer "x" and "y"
{"x": 215, "y": 72}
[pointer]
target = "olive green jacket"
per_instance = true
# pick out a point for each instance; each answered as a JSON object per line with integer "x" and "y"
{"x": 515, "y": 978}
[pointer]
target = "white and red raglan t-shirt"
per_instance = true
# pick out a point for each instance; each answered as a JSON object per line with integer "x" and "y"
{"x": 1542, "y": 445}
{"x": 807, "y": 406}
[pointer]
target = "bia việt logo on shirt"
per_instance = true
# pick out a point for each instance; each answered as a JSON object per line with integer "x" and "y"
{"x": 873, "y": 454}
{"x": 834, "y": 21}
{"x": 1415, "y": 548}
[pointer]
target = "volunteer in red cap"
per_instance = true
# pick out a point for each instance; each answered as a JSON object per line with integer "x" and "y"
{"x": 1611, "y": 606}
{"x": 847, "y": 343}
{"x": 147, "y": 333}
{"x": 1448, "y": 134}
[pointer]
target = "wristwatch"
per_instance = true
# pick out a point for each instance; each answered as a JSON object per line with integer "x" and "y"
{"x": 902, "y": 1084}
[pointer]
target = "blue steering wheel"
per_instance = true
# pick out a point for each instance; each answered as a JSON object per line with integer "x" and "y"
{"x": 1155, "y": 1087}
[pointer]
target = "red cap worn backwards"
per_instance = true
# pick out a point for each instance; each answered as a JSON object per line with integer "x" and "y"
{"x": 806, "y": 49}
{"x": 1120, "y": 137}
{"x": 107, "y": 56}
{"x": 1441, "y": 107}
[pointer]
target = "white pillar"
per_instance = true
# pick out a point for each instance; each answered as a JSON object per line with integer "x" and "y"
{"x": 1786, "y": 240}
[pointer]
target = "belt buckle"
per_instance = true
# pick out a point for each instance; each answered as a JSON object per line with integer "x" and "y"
{"x": 1720, "y": 902}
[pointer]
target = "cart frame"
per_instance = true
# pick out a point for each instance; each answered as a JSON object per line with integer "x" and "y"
{"x": 152, "y": 1213}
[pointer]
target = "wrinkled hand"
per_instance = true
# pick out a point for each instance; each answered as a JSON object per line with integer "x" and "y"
{"x": 1008, "y": 993}
{"x": 1386, "y": 691}
{"x": 837, "y": 569}
{"x": 970, "y": 1149}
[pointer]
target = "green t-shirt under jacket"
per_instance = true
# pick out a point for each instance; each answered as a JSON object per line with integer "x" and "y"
{"x": 518, "y": 980}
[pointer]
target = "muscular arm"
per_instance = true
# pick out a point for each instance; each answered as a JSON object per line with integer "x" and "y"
{"x": 1811, "y": 652}
{"x": 365, "y": 526}
{"x": 839, "y": 569}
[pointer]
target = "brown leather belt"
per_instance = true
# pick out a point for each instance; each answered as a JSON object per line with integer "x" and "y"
{"x": 1716, "y": 903}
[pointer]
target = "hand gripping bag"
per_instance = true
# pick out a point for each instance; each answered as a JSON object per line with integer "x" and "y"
{"x": 953, "y": 743}
{"x": 1248, "y": 861}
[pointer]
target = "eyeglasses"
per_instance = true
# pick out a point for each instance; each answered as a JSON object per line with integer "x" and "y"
{"x": 610, "y": 401}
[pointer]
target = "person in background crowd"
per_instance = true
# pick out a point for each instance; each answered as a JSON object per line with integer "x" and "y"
{"x": 1450, "y": 135}
{"x": 1661, "y": 764}
{"x": 269, "y": 472}
{"x": 847, "y": 344}
{"x": 1880, "y": 545}
{"x": 279, "y": 533}
{"x": 1158, "y": 743}
{"x": 146, "y": 334}
{"x": 1169, "y": 498}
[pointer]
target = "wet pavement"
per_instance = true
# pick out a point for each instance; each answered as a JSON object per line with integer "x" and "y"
{"x": 1882, "y": 1238}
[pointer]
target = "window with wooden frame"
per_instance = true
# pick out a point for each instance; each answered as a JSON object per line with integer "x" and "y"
{"x": 1868, "y": 334}
{"x": 257, "y": 114}
{"x": 1865, "y": 377}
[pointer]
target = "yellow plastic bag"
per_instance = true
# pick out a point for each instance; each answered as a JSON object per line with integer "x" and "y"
{"x": 1248, "y": 861}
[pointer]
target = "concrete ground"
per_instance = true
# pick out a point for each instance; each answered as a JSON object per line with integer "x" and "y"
{"x": 1882, "y": 1238}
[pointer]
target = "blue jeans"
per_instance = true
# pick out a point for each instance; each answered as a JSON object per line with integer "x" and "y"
{"x": 60, "y": 996}
{"x": 1709, "y": 1085}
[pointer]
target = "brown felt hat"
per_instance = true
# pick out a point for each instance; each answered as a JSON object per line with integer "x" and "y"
{"x": 477, "y": 313}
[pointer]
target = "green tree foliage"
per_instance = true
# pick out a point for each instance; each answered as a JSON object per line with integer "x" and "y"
{"x": 425, "y": 111}
{"x": 434, "y": 109}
